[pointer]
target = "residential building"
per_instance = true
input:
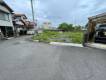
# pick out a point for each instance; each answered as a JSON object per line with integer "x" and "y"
{"x": 20, "y": 23}
{"x": 30, "y": 25}
{"x": 6, "y": 25}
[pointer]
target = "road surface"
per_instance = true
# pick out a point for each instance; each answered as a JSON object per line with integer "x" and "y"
{"x": 21, "y": 59}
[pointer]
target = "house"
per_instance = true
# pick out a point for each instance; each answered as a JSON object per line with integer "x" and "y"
{"x": 6, "y": 25}
{"x": 20, "y": 23}
{"x": 30, "y": 25}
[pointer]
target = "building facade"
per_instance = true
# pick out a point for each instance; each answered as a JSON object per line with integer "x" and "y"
{"x": 6, "y": 25}
{"x": 20, "y": 23}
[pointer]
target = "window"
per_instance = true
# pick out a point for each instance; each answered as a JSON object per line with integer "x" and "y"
{"x": 4, "y": 16}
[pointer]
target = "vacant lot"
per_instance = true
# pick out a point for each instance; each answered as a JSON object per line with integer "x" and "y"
{"x": 48, "y": 36}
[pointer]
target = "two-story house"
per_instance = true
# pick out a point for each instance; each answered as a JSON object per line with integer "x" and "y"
{"x": 6, "y": 25}
{"x": 19, "y": 22}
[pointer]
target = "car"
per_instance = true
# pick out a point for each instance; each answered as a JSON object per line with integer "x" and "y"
{"x": 100, "y": 34}
{"x": 31, "y": 32}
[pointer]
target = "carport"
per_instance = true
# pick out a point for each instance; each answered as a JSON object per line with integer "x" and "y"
{"x": 93, "y": 21}
{"x": 91, "y": 30}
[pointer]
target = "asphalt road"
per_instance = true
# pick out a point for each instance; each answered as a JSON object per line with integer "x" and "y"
{"x": 21, "y": 59}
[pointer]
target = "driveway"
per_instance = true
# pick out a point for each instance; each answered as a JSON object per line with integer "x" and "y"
{"x": 21, "y": 59}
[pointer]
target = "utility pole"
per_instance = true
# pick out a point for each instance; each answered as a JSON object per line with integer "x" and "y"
{"x": 32, "y": 7}
{"x": 33, "y": 14}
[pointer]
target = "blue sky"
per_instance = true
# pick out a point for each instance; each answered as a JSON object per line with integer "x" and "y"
{"x": 57, "y": 11}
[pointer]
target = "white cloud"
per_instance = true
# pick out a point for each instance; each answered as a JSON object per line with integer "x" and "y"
{"x": 57, "y": 11}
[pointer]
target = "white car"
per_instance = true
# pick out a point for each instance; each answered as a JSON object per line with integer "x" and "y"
{"x": 31, "y": 32}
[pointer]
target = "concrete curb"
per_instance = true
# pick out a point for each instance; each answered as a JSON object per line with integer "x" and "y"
{"x": 66, "y": 44}
{"x": 96, "y": 45}
{"x": 10, "y": 38}
{"x": 35, "y": 40}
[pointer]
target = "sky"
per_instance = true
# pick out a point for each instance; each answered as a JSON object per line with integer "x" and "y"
{"x": 57, "y": 11}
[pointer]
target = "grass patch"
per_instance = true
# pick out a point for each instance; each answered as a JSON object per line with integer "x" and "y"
{"x": 76, "y": 37}
{"x": 48, "y": 36}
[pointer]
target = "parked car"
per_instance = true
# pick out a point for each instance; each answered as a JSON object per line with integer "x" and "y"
{"x": 31, "y": 32}
{"x": 100, "y": 34}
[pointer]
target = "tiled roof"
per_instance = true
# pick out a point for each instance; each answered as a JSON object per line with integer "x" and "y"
{"x": 98, "y": 16}
{"x": 17, "y": 14}
{"x": 5, "y": 4}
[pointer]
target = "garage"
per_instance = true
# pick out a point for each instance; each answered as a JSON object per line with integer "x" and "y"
{"x": 96, "y": 31}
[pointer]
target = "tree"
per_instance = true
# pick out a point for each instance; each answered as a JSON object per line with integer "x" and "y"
{"x": 78, "y": 28}
{"x": 63, "y": 26}
{"x": 70, "y": 27}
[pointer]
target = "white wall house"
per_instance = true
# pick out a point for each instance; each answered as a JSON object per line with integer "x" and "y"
{"x": 6, "y": 24}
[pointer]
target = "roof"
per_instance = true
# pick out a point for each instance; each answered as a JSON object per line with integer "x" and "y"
{"x": 98, "y": 16}
{"x": 4, "y": 4}
{"x": 30, "y": 23}
{"x": 18, "y": 15}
